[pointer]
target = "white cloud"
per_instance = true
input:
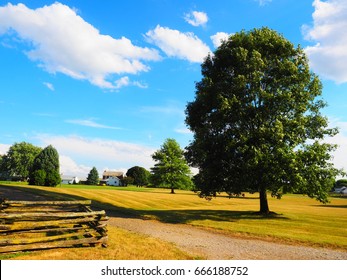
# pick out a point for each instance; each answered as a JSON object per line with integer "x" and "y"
{"x": 177, "y": 44}
{"x": 196, "y": 18}
{"x": 4, "y": 148}
{"x": 61, "y": 41}
{"x": 91, "y": 123}
{"x": 49, "y": 86}
{"x": 125, "y": 81}
{"x": 263, "y": 2}
{"x": 69, "y": 167}
{"x": 99, "y": 152}
{"x": 140, "y": 84}
{"x": 339, "y": 155}
{"x": 328, "y": 57}
{"x": 219, "y": 37}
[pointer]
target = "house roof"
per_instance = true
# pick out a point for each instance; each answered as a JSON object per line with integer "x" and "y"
{"x": 112, "y": 173}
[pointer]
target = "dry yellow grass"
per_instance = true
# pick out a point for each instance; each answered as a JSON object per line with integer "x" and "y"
{"x": 122, "y": 245}
{"x": 299, "y": 220}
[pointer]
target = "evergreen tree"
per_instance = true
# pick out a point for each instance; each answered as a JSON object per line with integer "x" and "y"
{"x": 38, "y": 177}
{"x": 46, "y": 165}
{"x": 93, "y": 177}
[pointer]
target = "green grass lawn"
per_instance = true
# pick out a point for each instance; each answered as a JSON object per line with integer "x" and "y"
{"x": 299, "y": 219}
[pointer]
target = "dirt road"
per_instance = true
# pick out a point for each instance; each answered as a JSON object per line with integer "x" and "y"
{"x": 216, "y": 246}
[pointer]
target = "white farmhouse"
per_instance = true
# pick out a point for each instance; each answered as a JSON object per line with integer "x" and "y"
{"x": 113, "y": 181}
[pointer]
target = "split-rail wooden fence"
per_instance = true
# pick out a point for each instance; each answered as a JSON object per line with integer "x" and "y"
{"x": 33, "y": 225}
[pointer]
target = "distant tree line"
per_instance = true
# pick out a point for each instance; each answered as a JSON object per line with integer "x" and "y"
{"x": 29, "y": 163}
{"x": 170, "y": 170}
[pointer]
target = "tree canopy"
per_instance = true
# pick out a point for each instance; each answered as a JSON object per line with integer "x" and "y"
{"x": 171, "y": 169}
{"x": 257, "y": 123}
{"x": 46, "y": 167}
{"x": 19, "y": 160}
{"x": 93, "y": 177}
{"x": 139, "y": 175}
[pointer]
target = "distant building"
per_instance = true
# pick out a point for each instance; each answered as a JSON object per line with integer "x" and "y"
{"x": 113, "y": 181}
{"x": 112, "y": 178}
{"x": 70, "y": 180}
{"x": 108, "y": 174}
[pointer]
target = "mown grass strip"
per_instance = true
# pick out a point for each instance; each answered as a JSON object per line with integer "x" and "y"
{"x": 299, "y": 219}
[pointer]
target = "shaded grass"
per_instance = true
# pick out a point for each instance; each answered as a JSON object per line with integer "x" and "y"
{"x": 299, "y": 220}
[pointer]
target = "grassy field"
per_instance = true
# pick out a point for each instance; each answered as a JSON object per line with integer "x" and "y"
{"x": 122, "y": 245}
{"x": 300, "y": 220}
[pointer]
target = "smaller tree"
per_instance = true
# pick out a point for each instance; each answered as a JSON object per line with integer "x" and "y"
{"x": 171, "y": 169}
{"x": 38, "y": 177}
{"x": 46, "y": 165}
{"x": 93, "y": 177}
{"x": 52, "y": 178}
{"x": 341, "y": 183}
{"x": 139, "y": 174}
{"x": 127, "y": 181}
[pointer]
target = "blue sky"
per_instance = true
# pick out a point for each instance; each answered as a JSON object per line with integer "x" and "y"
{"x": 106, "y": 82}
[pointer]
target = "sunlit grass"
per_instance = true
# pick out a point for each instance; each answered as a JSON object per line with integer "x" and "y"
{"x": 299, "y": 219}
{"x": 122, "y": 245}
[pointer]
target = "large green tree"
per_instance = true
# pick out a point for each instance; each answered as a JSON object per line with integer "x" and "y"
{"x": 19, "y": 160}
{"x": 46, "y": 167}
{"x": 4, "y": 174}
{"x": 171, "y": 169}
{"x": 93, "y": 177}
{"x": 257, "y": 123}
{"x": 139, "y": 174}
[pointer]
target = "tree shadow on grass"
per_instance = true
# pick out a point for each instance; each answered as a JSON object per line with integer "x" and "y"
{"x": 165, "y": 216}
{"x": 331, "y": 206}
{"x": 186, "y": 216}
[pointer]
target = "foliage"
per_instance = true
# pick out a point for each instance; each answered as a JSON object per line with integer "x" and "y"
{"x": 38, "y": 177}
{"x": 140, "y": 175}
{"x": 48, "y": 161}
{"x": 52, "y": 178}
{"x": 19, "y": 160}
{"x": 257, "y": 123}
{"x": 127, "y": 181}
{"x": 93, "y": 177}
{"x": 341, "y": 183}
{"x": 171, "y": 169}
{"x": 4, "y": 173}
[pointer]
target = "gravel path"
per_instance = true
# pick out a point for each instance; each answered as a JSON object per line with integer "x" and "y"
{"x": 216, "y": 246}
{"x": 205, "y": 243}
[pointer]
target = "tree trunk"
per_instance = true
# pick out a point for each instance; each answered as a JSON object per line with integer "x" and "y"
{"x": 264, "y": 207}
{"x": 172, "y": 190}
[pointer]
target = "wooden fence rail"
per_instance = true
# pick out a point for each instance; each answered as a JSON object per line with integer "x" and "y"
{"x": 33, "y": 225}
